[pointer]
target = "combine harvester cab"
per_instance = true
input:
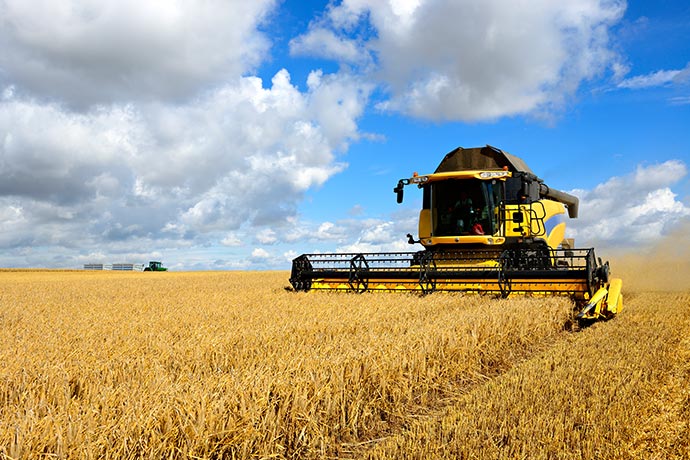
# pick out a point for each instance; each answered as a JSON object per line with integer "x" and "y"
{"x": 488, "y": 224}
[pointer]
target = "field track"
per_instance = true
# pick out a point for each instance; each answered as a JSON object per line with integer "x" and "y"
{"x": 230, "y": 365}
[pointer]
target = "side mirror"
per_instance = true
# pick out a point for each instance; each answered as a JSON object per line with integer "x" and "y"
{"x": 399, "y": 191}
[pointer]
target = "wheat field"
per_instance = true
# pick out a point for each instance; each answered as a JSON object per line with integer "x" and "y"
{"x": 209, "y": 365}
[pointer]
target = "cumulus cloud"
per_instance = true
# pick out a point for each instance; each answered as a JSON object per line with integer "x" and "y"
{"x": 260, "y": 254}
{"x": 325, "y": 43}
{"x": 266, "y": 236}
{"x": 127, "y": 128}
{"x": 363, "y": 234}
{"x": 631, "y": 210}
{"x": 463, "y": 60}
{"x": 86, "y": 52}
{"x": 381, "y": 236}
{"x": 50, "y": 154}
{"x": 231, "y": 239}
{"x": 244, "y": 153}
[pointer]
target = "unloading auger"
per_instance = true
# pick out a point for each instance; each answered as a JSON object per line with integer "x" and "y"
{"x": 488, "y": 224}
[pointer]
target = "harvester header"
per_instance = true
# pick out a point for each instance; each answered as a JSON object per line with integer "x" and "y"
{"x": 487, "y": 224}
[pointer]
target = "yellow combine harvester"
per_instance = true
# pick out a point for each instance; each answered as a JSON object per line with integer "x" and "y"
{"x": 487, "y": 224}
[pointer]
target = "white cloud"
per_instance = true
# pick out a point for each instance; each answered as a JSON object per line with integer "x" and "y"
{"x": 356, "y": 210}
{"x": 260, "y": 254}
{"x": 620, "y": 70}
{"x": 134, "y": 125}
{"x": 378, "y": 235}
{"x": 85, "y": 52}
{"x": 658, "y": 78}
{"x": 631, "y": 210}
{"x": 241, "y": 155}
{"x": 680, "y": 100}
{"x": 354, "y": 234}
{"x": 231, "y": 240}
{"x": 356, "y": 231}
{"x": 289, "y": 255}
{"x": 325, "y": 43}
{"x": 266, "y": 236}
{"x": 329, "y": 231}
{"x": 463, "y": 60}
{"x": 363, "y": 247}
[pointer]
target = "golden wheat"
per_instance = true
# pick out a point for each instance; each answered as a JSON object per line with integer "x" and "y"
{"x": 615, "y": 390}
{"x": 230, "y": 365}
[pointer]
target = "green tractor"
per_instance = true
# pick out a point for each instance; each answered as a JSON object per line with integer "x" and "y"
{"x": 155, "y": 266}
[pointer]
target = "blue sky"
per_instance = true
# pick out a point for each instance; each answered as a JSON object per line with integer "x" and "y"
{"x": 237, "y": 135}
